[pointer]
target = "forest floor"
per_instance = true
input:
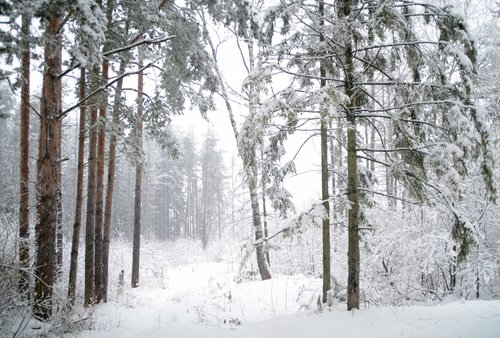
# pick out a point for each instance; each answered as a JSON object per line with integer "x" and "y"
{"x": 200, "y": 297}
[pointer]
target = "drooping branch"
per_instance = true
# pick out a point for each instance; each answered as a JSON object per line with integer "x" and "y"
{"x": 109, "y": 84}
{"x": 135, "y": 43}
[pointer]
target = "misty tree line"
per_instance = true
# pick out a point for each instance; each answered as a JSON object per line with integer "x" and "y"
{"x": 400, "y": 94}
{"x": 196, "y": 173}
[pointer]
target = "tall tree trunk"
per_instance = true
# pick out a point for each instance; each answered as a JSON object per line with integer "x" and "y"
{"x": 47, "y": 166}
{"x": 353, "y": 255}
{"x": 252, "y": 174}
{"x": 24, "y": 158}
{"x": 59, "y": 222}
{"x": 324, "y": 170}
{"x": 333, "y": 190}
{"x": 90, "y": 220}
{"x": 138, "y": 181}
{"x": 75, "y": 243}
{"x": 111, "y": 182}
{"x": 99, "y": 209}
{"x": 340, "y": 162}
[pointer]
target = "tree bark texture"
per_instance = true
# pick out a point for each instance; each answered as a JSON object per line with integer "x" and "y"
{"x": 108, "y": 209}
{"x": 101, "y": 140}
{"x": 75, "y": 243}
{"x": 47, "y": 167}
{"x": 99, "y": 211}
{"x": 353, "y": 255}
{"x": 24, "y": 158}
{"x": 138, "y": 182}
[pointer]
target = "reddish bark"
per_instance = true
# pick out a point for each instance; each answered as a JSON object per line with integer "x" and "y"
{"x": 47, "y": 171}
{"x": 79, "y": 196}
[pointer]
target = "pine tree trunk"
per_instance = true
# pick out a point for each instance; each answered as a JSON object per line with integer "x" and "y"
{"x": 75, "y": 243}
{"x": 99, "y": 211}
{"x": 111, "y": 182}
{"x": 138, "y": 182}
{"x": 324, "y": 171}
{"x": 24, "y": 159}
{"x": 353, "y": 255}
{"x": 47, "y": 166}
{"x": 90, "y": 221}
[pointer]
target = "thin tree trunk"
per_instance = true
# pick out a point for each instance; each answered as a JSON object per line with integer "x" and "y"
{"x": 248, "y": 163}
{"x": 24, "y": 159}
{"x": 252, "y": 173}
{"x": 478, "y": 279}
{"x": 340, "y": 163}
{"x": 49, "y": 143}
{"x": 353, "y": 255}
{"x": 324, "y": 171}
{"x": 264, "y": 209}
{"x": 388, "y": 178}
{"x": 59, "y": 222}
{"x": 90, "y": 221}
{"x": 138, "y": 182}
{"x": 204, "y": 197}
{"x": 111, "y": 182}
{"x": 331, "y": 148}
{"x": 372, "y": 145}
{"x": 75, "y": 243}
{"x": 264, "y": 218}
{"x": 99, "y": 210}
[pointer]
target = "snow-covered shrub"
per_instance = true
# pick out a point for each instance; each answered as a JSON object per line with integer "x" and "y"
{"x": 13, "y": 306}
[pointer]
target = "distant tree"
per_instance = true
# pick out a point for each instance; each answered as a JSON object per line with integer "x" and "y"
{"x": 212, "y": 182}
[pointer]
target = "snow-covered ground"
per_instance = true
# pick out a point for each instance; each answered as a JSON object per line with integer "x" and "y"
{"x": 202, "y": 300}
{"x": 187, "y": 293}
